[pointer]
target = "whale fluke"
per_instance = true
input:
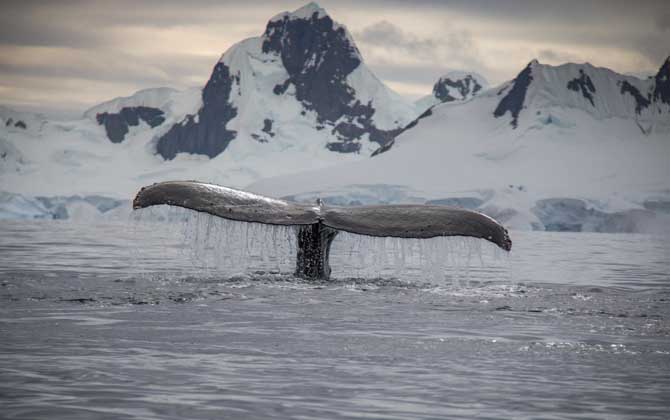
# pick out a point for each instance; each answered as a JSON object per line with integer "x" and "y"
{"x": 226, "y": 202}
{"x": 319, "y": 224}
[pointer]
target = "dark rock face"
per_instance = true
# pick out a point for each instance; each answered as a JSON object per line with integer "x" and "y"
{"x": 267, "y": 127}
{"x": 344, "y": 147}
{"x": 513, "y": 101}
{"x": 20, "y": 124}
{"x": 386, "y": 147}
{"x": 584, "y": 84}
{"x": 318, "y": 57}
{"x": 9, "y": 122}
{"x": 351, "y": 130}
{"x": 662, "y": 88}
{"x": 206, "y": 134}
{"x": 640, "y": 101}
{"x": 464, "y": 86}
{"x": 117, "y": 124}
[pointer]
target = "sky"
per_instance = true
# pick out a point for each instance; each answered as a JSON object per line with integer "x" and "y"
{"x": 61, "y": 57}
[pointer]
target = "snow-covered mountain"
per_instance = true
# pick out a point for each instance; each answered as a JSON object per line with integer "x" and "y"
{"x": 302, "y": 84}
{"x": 297, "y": 97}
{"x": 599, "y": 92}
{"x": 543, "y": 92}
{"x": 453, "y": 86}
{"x": 570, "y": 147}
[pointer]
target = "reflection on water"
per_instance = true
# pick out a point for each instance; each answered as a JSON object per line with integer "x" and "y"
{"x": 200, "y": 318}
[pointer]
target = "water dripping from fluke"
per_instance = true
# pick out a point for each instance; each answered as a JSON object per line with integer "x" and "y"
{"x": 231, "y": 229}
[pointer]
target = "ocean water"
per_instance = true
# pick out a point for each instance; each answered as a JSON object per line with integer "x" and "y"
{"x": 192, "y": 317}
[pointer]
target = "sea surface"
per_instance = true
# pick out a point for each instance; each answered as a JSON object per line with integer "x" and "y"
{"x": 186, "y": 317}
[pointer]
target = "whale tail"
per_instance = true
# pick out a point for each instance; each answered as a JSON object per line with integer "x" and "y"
{"x": 319, "y": 224}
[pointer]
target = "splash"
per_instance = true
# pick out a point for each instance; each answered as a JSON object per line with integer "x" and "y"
{"x": 441, "y": 259}
{"x": 204, "y": 245}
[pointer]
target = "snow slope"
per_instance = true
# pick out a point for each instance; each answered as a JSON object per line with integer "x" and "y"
{"x": 554, "y": 159}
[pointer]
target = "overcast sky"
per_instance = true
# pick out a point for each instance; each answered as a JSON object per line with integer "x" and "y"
{"x": 63, "y": 56}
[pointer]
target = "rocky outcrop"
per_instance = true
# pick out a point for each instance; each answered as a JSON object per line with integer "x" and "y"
{"x": 206, "y": 132}
{"x": 18, "y": 124}
{"x": 640, "y": 101}
{"x": 584, "y": 84}
{"x": 513, "y": 101}
{"x": 319, "y": 55}
{"x": 117, "y": 124}
{"x": 386, "y": 147}
{"x": 466, "y": 87}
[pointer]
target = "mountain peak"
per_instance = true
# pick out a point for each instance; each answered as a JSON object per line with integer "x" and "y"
{"x": 598, "y": 91}
{"x": 453, "y": 86}
{"x": 305, "y": 12}
{"x": 458, "y": 85}
{"x": 308, "y": 10}
{"x": 310, "y": 63}
{"x": 318, "y": 55}
{"x": 312, "y": 29}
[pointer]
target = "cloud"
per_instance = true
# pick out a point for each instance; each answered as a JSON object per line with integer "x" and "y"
{"x": 64, "y": 97}
{"x": 385, "y": 44}
{"x": 552, "y": 56}
{"x": 412, "y": 91}
{"x": 387, "y": 35}
{"x": 48, "y": 48}
{"x": 663, "y": 21}
{"x": 112, "y": 49}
